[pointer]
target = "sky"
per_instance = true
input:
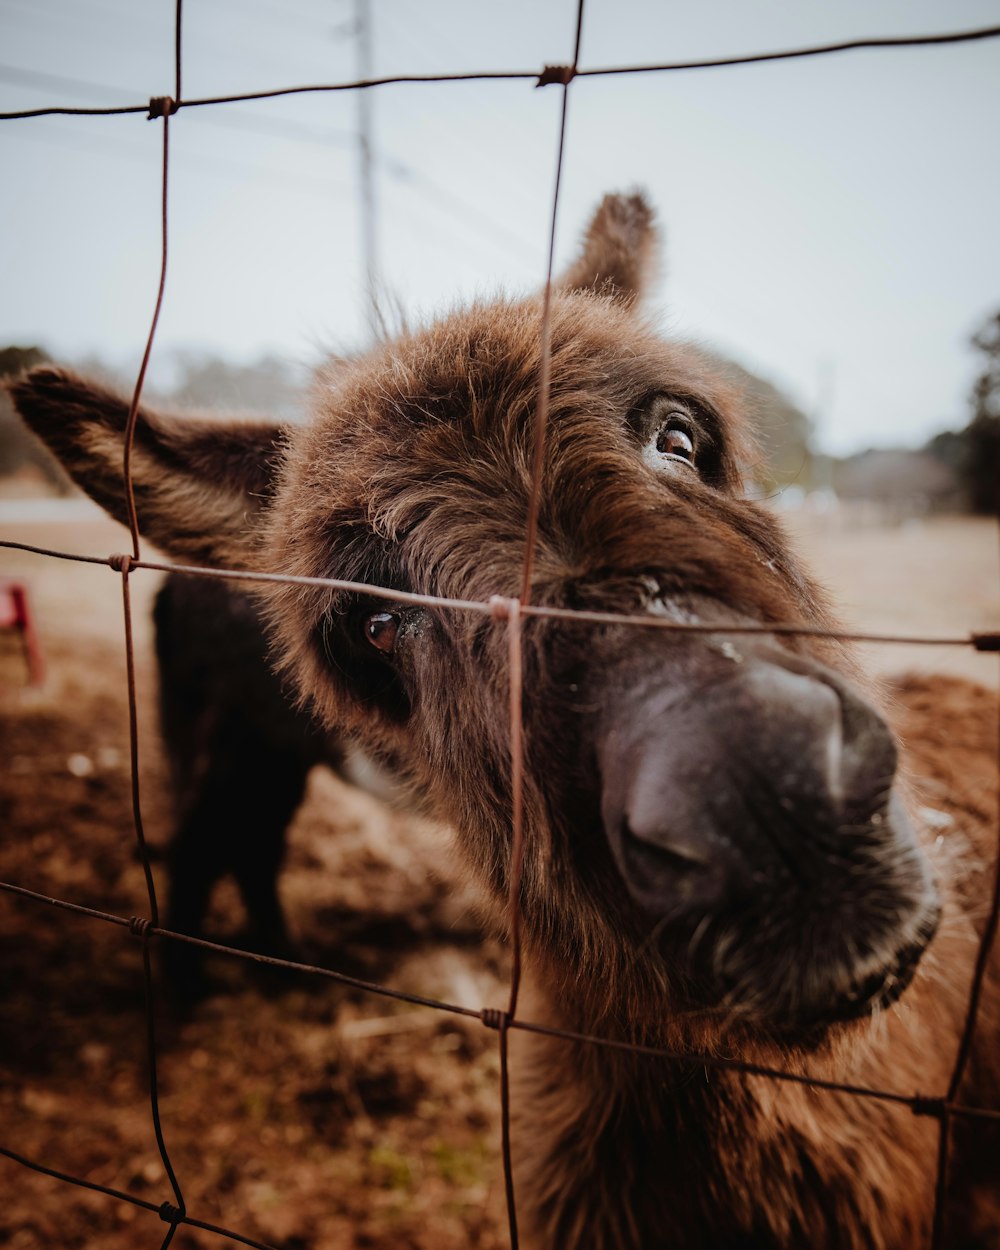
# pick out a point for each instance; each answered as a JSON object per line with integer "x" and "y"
{"x": 831, "y": 224}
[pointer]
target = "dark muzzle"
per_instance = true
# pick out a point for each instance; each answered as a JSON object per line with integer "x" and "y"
{"x": 748, "y": 802}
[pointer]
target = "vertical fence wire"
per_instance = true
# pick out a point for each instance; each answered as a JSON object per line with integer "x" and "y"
{"x": 510, "y": 609}
{"x": 160, "y": 108}
{"x": 563, "y": 75}
{"x": 515, "y": 668}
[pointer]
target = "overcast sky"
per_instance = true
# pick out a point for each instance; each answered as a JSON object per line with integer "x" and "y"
{"x": 830, "y": 223}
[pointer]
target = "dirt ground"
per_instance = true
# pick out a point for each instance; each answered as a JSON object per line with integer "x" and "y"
{"x": 938, "y": 577}
{"x": 296, "y": 1111}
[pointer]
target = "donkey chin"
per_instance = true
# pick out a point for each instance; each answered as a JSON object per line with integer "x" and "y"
{"x": 752, "y": 812}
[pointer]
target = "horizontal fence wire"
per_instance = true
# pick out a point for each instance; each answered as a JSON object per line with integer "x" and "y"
{"x": 496, "y": 606}
{"x": 918, "y": 1103}
{"x": 513, "y": 612}
{"x": 543, "y": 78}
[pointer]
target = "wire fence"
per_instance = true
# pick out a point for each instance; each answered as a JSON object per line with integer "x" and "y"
{"x": 942, "y": 1106}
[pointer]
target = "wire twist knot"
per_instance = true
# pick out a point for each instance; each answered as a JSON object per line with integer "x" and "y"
{"x": 170, "y": 1214}
{"x": 162, "y": 106}
{"x": 494, "y": 1018}
{"x": 556, "y": 74}
{"x": 502, "y": 609}
{"x": 936, "y": 1107}
{"x": 139, "y": 926}
{"x": 120, "y": 563}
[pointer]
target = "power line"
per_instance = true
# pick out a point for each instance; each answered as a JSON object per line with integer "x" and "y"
{"x": 298, "y": 131}
{"x": 222, "y": 166}
{"x": 240, "y": 120}
{"x": 458, "y": 208}
{"x": 366, "y": 168}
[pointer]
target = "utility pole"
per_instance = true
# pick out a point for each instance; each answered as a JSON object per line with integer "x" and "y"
{"x": 366, "y": 166}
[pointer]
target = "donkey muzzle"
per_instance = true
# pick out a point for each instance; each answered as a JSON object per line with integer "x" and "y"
{"x": 750, "y": 802}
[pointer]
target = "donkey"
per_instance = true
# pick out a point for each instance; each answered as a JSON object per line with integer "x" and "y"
{"x": 718, "y": 855}
{"x": 240, "y": 753}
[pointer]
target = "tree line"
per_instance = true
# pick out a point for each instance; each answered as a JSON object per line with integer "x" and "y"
{"x": 959, "y": 467}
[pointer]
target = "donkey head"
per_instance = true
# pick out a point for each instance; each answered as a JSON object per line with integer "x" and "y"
{"x": 712, "y": 821}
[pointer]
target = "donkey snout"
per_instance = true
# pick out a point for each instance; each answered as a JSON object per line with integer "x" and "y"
{"x": 752, "y": 817}
{"x": 726, "y": 786}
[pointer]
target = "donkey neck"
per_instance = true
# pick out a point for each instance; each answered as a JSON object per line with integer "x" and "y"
{"x": 618, "y": 1151}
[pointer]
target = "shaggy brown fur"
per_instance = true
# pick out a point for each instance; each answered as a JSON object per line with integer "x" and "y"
{"x": 717, "y": 855}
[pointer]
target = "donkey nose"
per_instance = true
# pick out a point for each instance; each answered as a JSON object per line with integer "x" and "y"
{"x": 776, "y": 771}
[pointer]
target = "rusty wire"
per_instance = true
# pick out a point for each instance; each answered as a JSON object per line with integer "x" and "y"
{"x": 543, "y": 78}
{"x": 944, "y": 1108}
{"x": 564, "y": 76}
{"x": 159, "y": 107}
{"x": 979, "y": 640}
{"x": 919, "y": 1104}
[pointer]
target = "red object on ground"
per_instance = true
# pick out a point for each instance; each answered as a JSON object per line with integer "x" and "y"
{"x": 15, "y": 613}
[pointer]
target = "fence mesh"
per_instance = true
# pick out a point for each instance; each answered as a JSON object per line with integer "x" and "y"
{"x": 942, "y": 1106}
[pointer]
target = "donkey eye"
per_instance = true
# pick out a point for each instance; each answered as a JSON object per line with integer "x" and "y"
{"x": 381, "y": 630}
{"x": 674, "y": 439}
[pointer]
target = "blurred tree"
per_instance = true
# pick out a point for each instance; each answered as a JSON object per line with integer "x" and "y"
{"x": 949, "y": 449}
{"x": 783, "y": 433}
{"x": 974, "y": 452}
{"x": 903, "y": 483}
{"x": 268, "y": 385}
{"x": 982, "y": 464}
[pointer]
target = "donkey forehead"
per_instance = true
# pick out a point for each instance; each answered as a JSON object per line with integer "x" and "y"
{"x": 465, "y": 393}
{"x": 416, "y": 472}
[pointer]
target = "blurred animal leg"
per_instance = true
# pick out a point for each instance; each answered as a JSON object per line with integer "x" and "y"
{"x": 267, "y": 800}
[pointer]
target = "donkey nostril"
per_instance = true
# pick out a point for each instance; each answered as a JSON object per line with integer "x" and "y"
{"x": 651, "y": 819}
{"x": 668, "y": 844}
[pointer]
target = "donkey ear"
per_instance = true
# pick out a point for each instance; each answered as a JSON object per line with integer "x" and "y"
{"x": 619, "y": 252}
{"x": 198, "y": 482}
